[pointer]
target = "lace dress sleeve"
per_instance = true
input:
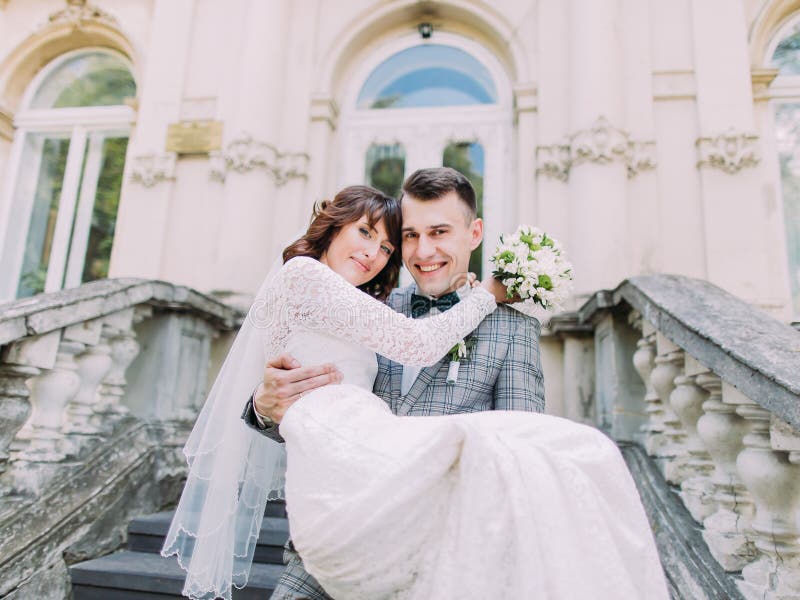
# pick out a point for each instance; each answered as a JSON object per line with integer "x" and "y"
{"x": 322, "y": 300}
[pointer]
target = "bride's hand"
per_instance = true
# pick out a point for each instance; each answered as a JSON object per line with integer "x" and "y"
{"x": 496, "y": 289}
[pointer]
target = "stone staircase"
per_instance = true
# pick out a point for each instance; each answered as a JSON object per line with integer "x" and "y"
{"x": 139, "y": 572}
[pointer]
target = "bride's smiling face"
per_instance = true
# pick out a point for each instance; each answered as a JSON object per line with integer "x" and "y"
{"x": 359, "y": 251}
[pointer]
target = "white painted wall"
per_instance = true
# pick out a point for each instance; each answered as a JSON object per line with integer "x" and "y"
{"x": 662, "y": 73}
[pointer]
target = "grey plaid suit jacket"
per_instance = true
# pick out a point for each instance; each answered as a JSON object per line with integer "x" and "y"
{"x": 502, "y": 371}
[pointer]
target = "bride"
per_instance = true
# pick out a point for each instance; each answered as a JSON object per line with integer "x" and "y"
{"x": 482, "y": 505}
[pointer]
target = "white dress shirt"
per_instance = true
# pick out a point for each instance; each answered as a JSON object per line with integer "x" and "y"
{"x": 410, "y": 374}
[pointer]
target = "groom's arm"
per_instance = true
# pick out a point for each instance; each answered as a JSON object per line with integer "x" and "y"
{"x": 520, "y": 384}
{"x": 283, "y": 383}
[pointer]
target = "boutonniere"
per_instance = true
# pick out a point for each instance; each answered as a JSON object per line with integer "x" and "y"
{"x": 457, "y": 353}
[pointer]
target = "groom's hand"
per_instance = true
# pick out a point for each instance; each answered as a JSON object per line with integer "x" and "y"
{"x": 285, "y": 381}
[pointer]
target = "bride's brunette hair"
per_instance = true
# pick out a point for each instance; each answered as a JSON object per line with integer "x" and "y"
{"x": 349, "y": 206}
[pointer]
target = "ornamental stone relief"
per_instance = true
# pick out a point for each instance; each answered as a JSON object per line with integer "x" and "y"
{"x": 730, "y": 151}
{"x": 150, "y": 169}
{"x": 640, "y": 156}
{"x": 78, "y": 12}
{"x": 602, "y": 143}
{"x": 246, "y": 154}
{"x": 554, "y": 161}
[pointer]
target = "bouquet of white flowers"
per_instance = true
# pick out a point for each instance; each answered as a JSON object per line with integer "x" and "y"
{"x": 532, "y": 266}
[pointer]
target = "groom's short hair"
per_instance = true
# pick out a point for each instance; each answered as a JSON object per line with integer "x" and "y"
{"x": 433, "y": 183}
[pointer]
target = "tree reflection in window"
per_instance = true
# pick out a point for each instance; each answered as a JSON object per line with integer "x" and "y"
{"x": 425, "y": 76}
{"x": 467, "y": 159}
{"x": 89, "y": 79}
{"x": 787, "y": 54}
{"x": 385, "y": 168}
{"x": 47, "y": 195}
{"x": 104, "y": 214}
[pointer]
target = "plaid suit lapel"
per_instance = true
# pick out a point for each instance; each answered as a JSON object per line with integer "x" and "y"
{"x": 423, "y": 382}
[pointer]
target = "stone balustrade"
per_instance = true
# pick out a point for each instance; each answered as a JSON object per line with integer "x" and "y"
{"x": 710, "y": 388}
{"x": 99, "y": 387}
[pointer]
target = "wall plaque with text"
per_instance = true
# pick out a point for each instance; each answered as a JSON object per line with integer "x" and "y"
{"x": 194, "y": 137}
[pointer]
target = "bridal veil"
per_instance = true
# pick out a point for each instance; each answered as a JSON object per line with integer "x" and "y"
{"x": 233, "y": 470}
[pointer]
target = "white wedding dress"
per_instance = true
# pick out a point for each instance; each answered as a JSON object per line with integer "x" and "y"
{"x": 481, "y": 505}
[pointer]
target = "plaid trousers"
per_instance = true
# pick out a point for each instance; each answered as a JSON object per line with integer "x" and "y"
{"x": 295, "y": 583}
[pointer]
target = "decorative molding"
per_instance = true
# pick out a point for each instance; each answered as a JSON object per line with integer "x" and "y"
{"x": 761, "y": 79}
{"x": 245, "y": 154}
{"x": 150, "y": 169}
{"x": 554, "y": 161}
{"x": 730, "y": 151}
{"x": 6, "y": 124}
{"x": 602, "y": 143}
{"x": 526, "y": 98}
{"x": 674, "y": 85}
{"x": 640, "y": 156}
{"x": 324, "y": 108}
{"x": 79, "y": 12}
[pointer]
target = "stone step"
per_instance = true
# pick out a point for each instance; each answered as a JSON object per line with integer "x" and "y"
{"x": 146, "y": 534}
{"x": 127, "y": 575}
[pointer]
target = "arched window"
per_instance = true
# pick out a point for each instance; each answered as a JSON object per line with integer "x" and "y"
{"x": 786, "y": 58}
{"x": 425, "y": 76}
{"x": 67, "y": 163}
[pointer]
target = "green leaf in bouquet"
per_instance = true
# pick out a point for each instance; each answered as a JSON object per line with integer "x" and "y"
{"x": 506, "y": 256}
{"x": 545, "y": 282}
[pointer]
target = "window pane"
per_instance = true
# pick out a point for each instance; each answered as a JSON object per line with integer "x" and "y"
{"x": 50, "y": 154}
{"x": 104, "y": 214}
{"x": 787, "y": 121}
{"x": 428, "y": 75}
{"x": 386, "y": 165}
{"x": 467, "y": 159}
{"x": 787, "y": 55}
{"x": 92, "y": 79}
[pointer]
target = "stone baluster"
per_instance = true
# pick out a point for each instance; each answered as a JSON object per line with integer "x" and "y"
{"x": 118, "y": 333}
{"x": 697, "y": 490}
{"x": 15, "y": 406}
{"x": 93, "y": 366}
{"x": 50, "y": 393}
{"x": 773, "y": 481}
{"x": 668, "y": 365}
{"x": 721, "y": 430}
{"x": 644, "y": 363}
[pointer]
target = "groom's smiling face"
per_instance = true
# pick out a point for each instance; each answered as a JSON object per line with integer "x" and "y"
{"x": 438, "y": 237}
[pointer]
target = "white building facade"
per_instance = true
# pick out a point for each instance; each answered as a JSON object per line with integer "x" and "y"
{"x": 184, "y": 140}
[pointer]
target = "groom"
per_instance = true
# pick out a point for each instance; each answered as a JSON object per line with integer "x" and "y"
{"x": 502, "y": 370}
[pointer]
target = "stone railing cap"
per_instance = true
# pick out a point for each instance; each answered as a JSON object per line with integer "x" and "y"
{"x": 746, "y": 347}
{"x": 47, "y": 312}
